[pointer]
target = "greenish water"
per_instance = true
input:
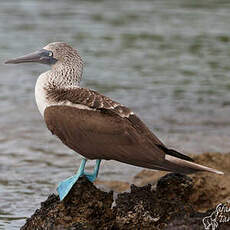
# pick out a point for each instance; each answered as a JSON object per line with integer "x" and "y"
{"x": 167, "y": 60}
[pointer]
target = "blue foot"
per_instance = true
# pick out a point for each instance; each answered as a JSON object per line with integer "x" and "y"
{"x": 65, "y": 186}
{"x": 92, "y": 177}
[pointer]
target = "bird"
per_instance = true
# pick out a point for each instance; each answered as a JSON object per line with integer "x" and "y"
{"x": 93, "y": 125}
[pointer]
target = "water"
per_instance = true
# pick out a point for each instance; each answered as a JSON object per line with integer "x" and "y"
{"x": 167, "y": 60}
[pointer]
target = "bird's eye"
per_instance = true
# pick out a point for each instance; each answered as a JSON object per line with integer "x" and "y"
{"x": 50, "y": 53}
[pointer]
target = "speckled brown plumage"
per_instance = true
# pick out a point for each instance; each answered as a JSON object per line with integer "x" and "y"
{"x": 86, "y": 97}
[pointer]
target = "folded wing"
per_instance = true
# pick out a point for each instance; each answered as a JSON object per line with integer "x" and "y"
{"x": 99, "y": 134}
{"x": 99, "y": 128}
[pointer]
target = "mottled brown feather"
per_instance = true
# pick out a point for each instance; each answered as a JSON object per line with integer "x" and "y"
{"x": 86, "y": 97}
{"x": 98, "y": 135}
{"x": 109, "y": 131}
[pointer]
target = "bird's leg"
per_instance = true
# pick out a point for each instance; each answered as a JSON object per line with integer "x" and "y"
{"x": 65, "y": 186}
{"x": 92, "y": 177}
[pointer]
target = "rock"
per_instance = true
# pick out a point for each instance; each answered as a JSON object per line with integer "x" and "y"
{"x": 194, "y": 222}
{"x": 211, "y": 189}
{"x": 174, "y": 186}
{"x": 148, "y": 208}
{"x": 208, "y": 189}
{"x": 85, "y": 207}
{"x": 173, "y": 201}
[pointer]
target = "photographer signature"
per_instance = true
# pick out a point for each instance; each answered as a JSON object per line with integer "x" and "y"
{"x": 220, "y": 215}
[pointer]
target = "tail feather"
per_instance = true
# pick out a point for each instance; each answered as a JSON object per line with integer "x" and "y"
{"x": 183, "y": 166}
{"x": 174, "y": 153}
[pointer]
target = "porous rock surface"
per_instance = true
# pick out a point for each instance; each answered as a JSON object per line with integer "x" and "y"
{"x": 171, "y": 202}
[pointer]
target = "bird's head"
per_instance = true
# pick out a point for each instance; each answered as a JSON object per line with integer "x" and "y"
{"x": 66, "y": 64}
{"x": 56, "y": 53}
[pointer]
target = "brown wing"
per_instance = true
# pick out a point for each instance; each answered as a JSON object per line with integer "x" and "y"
{"x": 95, "y": 100}
{"x": 104, "y": 134}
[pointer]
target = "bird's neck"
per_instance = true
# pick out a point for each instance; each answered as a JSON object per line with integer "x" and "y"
{"x": 52, "y": 80}
{"x": 64, "y": 76}
{"x": 59, "y": 77}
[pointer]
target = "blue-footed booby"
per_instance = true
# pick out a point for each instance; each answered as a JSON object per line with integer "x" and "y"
{"x": 94, "y": 125}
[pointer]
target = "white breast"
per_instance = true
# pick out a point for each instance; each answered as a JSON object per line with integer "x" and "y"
{"x": 40, "y": 93}
{"x": 41, "y": 96}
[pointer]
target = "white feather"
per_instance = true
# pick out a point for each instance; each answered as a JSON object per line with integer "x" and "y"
{"x": 40, "y": 93}
{"x": 41, "y": 96}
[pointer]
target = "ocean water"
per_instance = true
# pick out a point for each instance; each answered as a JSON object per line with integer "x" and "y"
{"x": 169, "y": 61}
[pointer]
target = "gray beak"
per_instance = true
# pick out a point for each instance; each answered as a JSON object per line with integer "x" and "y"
{"x": 42, "y": 56}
